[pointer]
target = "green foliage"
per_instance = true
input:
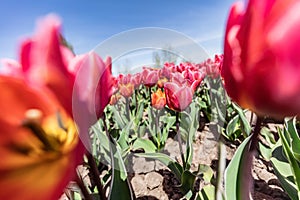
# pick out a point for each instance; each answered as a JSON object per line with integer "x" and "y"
{"x": 286, "y": 162}
{"x": 234, "y": 178}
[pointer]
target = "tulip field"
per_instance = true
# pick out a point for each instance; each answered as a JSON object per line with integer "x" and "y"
{"x": 225, "y": 128}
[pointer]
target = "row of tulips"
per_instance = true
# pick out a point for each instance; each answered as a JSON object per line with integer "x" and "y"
{"x": 176, "y": 83}
{"x": 39, "y": 141}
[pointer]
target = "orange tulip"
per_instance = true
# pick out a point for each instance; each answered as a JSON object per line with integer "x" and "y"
{"x": 39, "y": 145}
{"x": 158, "y": 99}
{"x": 261, "y": 67}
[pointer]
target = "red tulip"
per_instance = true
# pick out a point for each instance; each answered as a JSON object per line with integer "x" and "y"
{"x": 261, "y": 68}
{"x": 178, "y": 96}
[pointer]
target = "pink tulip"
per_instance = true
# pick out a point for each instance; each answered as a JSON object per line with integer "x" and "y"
{"x": 150, "y": 76}
{"x": 178, "y": 96}
{"x": 45, "y": 61}
{"x": 261, "y": 68}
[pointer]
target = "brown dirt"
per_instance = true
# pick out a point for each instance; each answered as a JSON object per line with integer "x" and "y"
{"x": 159, "y": 183}
{"x": 152, "y": 180}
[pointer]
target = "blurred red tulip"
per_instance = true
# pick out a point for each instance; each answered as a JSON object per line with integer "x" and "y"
{"x": 261, "y": 68}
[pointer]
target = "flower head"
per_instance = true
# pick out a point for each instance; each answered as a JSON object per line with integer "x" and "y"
{"x": 261, "y": 57}
{"x": 39, "y": 146}
{"x": 158, "y": 99}
{"x": 178, "y": 96}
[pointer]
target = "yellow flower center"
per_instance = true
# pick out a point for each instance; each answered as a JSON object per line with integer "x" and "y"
{"x": 56, "y": 133}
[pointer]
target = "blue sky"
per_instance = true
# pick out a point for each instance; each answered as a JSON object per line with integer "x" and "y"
{"x": 88, "y": 23}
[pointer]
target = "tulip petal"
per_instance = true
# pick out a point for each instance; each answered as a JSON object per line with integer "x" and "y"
{"x": 26, "y": 171}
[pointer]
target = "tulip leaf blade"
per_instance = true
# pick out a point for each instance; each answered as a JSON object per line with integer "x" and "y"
{"x": 283, "y": 172}
{"x": 290, "y": 157}
{"x": 175, "y": 167}
{"x": 145, "y": 144}
{"x": 232, "y": 129}
{"x": 233, "y": 173}
{"x": 119, "y": 184}
{"x": 187, "y": 181}
{"x": 206, "y": 193}
{"x": 290, "y": 126}
{"x": 245, "y": 122}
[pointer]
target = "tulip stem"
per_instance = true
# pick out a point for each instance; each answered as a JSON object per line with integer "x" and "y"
{"x": 149, "y": 91}
{"x": 179, "y": 139}
{"x": 219, "y": 192}
{"x": 247, "y": 183}
{"x": 136, "y": 102}
{"x": 96, "y": 175}
{"x": 82, "y": 187}
{"x": 127, "y": 108}
{"x": 254, "y": 139}
{"x": 158, "y": 133}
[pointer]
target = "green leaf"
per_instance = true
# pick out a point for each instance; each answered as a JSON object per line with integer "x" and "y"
{"x": 290, "y": 126}
{"x": 118, "y": 118}
{"x": 120, "y": 183}
{"x": 233, "y": 173}
{"x": 187, "y": 181}
{"x": 175, "y": 167}
{"x": 145, "y": 144}
{"x": 190, "y": 123}
{"x": 139, "y": 113}
{"x": 100, "y": 142}
{"x": 120, "y": 189}
{"x": 232, "y": 127}
{"x": 265, "y": 151}
{"x": 291, "y": 159}
{"x": 206, "y": 171}
{"x": 206, "y": 193}
{"x": 268, "y": 135}
{"x": 169, "y": 123}
{"x": 245, "y": 123}
{"x": 283, "y": 172}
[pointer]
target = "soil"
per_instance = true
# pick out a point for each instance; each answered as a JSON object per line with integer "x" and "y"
{"x": 156, "y": 182}
{"x": 152, "y": 180}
